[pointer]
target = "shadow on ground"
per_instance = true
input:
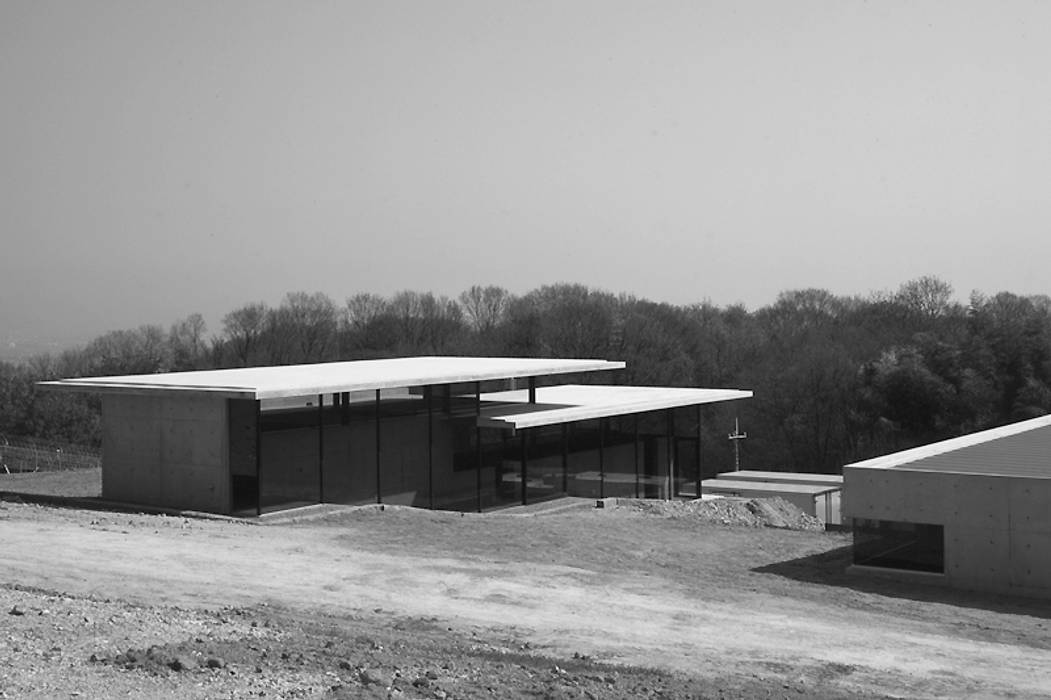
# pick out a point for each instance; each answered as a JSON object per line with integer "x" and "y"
{"x": 830, "y": 569}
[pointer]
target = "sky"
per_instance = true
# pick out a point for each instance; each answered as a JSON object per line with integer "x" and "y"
{"x": 163, "y": 158}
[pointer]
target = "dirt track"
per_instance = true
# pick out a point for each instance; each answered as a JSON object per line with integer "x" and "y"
{"x": 617, "y": 586}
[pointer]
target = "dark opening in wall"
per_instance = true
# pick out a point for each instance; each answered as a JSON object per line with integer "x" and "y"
{"x": 899, "y": 545}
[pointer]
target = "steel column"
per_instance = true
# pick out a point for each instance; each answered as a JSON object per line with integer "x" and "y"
{"x": 429, "y": 390}
{"x": 379, "y": 491}
{"x": 525, "y": 459}
{"x": 670, "y": 419}
{"x": 565, "y": 458}
{"x": 321, "y": 447}
{"x": 478, "y": 443}
{"x": 258, "y": 459}
{"x": 698, "y": 492}
{"x": 601, "y": 458}
{"x": 636, "y": 430}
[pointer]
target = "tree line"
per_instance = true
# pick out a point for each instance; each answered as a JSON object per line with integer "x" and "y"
{"x": 836, "y": 378}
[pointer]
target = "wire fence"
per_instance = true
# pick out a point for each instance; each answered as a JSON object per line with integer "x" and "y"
{"x": 22, "y": 454}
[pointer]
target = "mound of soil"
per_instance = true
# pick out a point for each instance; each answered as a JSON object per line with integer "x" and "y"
{"x": 747, "y": 512}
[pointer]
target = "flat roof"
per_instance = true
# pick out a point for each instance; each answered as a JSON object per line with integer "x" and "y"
{"x": 753, "y": 475}
{"x": 717, "y": 485}
{"x": 575, "y": 402}
{"x": 1019, "y": 449}
{"x": 331, "y": 377}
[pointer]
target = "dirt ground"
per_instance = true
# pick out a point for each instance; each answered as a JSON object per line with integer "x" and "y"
{"x": 620, "y": 602}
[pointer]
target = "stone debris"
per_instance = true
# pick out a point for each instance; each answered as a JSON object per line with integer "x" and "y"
{"x": 741, "y": 512}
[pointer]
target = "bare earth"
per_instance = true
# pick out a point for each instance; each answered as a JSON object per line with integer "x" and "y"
{"x": 616, "y": 602}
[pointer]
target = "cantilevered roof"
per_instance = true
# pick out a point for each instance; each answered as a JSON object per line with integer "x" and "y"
{"x": 573, "y": 402}
{"x": 1019, "y": 449}
{"x": 331, "y": 377}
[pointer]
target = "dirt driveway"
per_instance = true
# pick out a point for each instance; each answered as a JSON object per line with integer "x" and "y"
{"x": 618, "y": 586}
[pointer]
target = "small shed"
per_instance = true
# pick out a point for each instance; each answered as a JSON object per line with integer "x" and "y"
{"x": 784, "y": 477}
{"x": 820, "y": 501}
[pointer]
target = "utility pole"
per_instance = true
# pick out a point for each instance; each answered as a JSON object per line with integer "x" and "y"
{"x": 736, "y": 436}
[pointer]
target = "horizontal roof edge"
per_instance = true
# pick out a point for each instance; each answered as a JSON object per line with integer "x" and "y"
{"x": 145, "y": 389}
{"x": 897, "y": 459}
{"x": 568, "y": 403}
{"x": 329, "y": 377}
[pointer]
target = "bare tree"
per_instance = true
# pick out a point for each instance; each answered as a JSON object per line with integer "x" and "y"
{"x": 926, "y": 296}
{"x": 303, "y": 328}
{"x": 140, "y": 351}
{"x": 243, "y": 328}
{"x": 186, "y": 342}
{"x": 485, "y": 307}
{"x": 364, "y": 330}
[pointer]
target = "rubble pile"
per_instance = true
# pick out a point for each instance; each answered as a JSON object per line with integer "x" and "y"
{"x": 741, "y": 512}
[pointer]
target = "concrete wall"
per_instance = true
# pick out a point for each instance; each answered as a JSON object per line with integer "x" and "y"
{"x": 997, "y": 528}
{"x": 167, "y": 451}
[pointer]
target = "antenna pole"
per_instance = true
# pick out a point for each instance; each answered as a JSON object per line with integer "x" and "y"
{"x": 735, "y": 437}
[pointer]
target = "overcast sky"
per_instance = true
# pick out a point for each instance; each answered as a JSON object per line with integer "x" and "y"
{"x": 162, "y": 158}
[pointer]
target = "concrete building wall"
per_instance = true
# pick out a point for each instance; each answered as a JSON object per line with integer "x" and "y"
{"x": 169, "y": 451}
{"x": 997, "y": 528}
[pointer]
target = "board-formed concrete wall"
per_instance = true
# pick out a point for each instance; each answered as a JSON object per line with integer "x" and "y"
{"x": 167, "y": 451}
{"x": 997, "y": 528}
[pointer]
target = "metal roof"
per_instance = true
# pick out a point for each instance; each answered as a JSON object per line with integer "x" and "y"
{"x": 574, "y": 402}
{"x": 331, "y": 377}
{"x": 1019, "y": 449}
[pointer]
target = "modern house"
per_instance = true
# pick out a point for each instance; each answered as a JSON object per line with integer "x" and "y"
{"x": 973, "y": 512}
{"x": 463, "y": 433}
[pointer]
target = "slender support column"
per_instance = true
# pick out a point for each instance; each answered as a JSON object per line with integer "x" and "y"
{"x": 379, "y": 491}
{"x": 429, "y": 390}
{"x": 321, "y": 447}
{"x": 525, "y": 458}
{"x": 478, "y": 444}
{"x": 350, "y": 441}
{"x": 636, "y": 429}
{"x": 565, "y": 458}
{"x": 532, "y": 390}
{"x": 601, "y": 458}
{"x": 258, "y": 459}
{"x": 698, "y": 451}
{"x": 670, "y": 419}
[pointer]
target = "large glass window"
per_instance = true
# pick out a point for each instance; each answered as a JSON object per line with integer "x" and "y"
{"x": 686, "y": 448}
{"x": 544, "y": 473}
{"x": 457, "y": 477}
{"x": 289, "y": 445}
{"x": 621, "y": 458}
{"x": 584, "y": 469}
{"x": 501, "y": 469}
{"x": 899, "y": 545}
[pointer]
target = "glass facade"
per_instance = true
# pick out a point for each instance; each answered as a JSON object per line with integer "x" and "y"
{"x": 899, "y": 545}
{"x": 289, "y": 450}
{"x": 686, "y": 450}
{"x": 423, "y": 446}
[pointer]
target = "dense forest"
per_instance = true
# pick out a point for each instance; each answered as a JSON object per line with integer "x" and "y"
{"x": 836, "y": 379}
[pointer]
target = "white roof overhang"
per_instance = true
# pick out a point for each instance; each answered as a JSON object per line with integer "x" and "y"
{"x": 575, "y": 402}
{"x": 331, "y": 377}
